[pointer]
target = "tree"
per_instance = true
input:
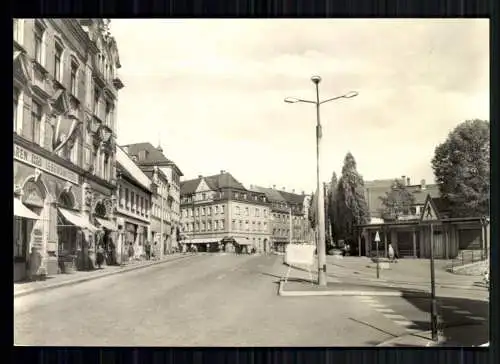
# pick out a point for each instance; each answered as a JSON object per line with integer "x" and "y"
{"x": 352, "y": 208}
{"x": 461, "y": 166}
{"x": 331, "y": 206}
{"x": 397, "y": 202}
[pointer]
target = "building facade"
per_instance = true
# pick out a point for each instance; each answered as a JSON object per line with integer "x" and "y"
{"x": 65, "y": 98}
{"x": 219, "y": 213}
{"x": 133, "y": 211}
{"x": 287, "y": 220}
{"x": 147, "y": 156}
{"x": 161, "y": 223}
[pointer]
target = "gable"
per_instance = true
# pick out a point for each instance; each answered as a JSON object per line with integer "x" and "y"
{"x": 203, "y": 187}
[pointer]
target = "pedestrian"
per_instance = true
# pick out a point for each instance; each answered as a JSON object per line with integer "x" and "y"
{"x": 155, "y": 252}
{"x": 391, "y": 253}
{"x": 100, "y": 256}
{"x": 147, "y": 248}
{"x": 130, "y": 251}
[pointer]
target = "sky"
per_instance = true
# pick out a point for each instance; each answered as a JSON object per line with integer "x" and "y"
{"x": 212, "y": 91}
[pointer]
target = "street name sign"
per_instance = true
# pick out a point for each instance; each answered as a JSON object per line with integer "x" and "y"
{"x": 429, "y": 212}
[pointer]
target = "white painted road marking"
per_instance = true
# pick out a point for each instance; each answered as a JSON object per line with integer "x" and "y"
{"x": 477, "y": 318}
{"x": 404, "y": 323}
{"x": 386, "y": 310}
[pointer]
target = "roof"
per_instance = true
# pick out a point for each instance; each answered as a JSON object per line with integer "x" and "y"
{"x": 128, "y": 168}
{"x": 292, "y": 198}
{"x": 154, "y": 156}
{"x": 215, "y": 182}
{"x": 149, "y": 171}
{"x": 272, "y": 194}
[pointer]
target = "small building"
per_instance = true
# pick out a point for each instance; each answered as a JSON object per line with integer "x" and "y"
{"x": 411, "y": 238}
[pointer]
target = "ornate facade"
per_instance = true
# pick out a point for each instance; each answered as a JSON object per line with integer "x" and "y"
{"x": 64, "y": 122}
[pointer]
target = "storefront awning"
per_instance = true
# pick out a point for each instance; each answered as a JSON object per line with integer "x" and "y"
{"x": 76, "y": 219}
{"x": 20, "y": 210}
{"x": 242, "y": 241}
{"x": 110, "y": 225}
{"x": 202, "y": 240}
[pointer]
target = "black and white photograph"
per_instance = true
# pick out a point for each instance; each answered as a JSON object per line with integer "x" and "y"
{"x": 251, "y": 182}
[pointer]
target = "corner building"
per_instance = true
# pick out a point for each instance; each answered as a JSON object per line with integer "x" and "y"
{"x": 220, "y": 214}
{"x": 65, "y": 91}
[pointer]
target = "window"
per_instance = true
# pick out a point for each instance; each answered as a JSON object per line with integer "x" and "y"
{"x": 107, "y": 117}
{"x": 216, "y": 225}
{"x": 202, "y": 211}
{"x": 222, "y": 224}
{"x": 237, "y": 210}
{"x": 257, "y": 212}
{"x": 241, "y": 225}
{"x": 73, "y": 81}
{"x": 16, "y": 105}
{"x": 209, "y": 211}
{"x": 259, "y": 227}
{"x": 236, "y": 195}
{"x": 203, "y": 226}
{"x": 38, "y": 42}
{"x": 120, "y": 196}
{"x": 74, "y": 151}
{"x": 209, "y": 225}
{"x": 36, "y": 121}
{"x": 246, "y": 211}
{"x": 137, "y": 204}
{"x": 247, "y": 225}
{"x": 127, "y": 205}
{"x": 197, "y": 211}
{"x": 253, "y": 225}
{"x": 222, "y": 210}
{"x": 96, "y": 101}
{"x": 132, "y": 200}
{"x": 233, "y": 224}
{"x": 265, "y": 213}
{"x": 146, "y": 207}
{"x": 203, "y": 196}
{"x": 141, "y": 207}
{"x": 57, "y": 61}
{"x": 216, "y": 210}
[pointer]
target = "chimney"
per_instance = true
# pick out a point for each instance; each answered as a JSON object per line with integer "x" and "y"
{"x": 403, "y": 180}
{"x": 407, "y": 181}
{"x": 222, "y": 171}
{"x": 422, "y": 185}
{"x": 293, "y": 190}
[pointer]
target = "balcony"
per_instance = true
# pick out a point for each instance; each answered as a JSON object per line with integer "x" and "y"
{"x": 40, "y": 80}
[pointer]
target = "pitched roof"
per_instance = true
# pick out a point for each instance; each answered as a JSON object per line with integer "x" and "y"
{"x": 215, "y": 182}
{"x": 128, "y": 168}
{"x": 154, "y": 156}
{"x": 292, "y": 198}
{"x": 271, "y": 194}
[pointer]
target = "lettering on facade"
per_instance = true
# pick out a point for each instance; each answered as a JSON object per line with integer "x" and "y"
{"x": 25, "y": 156}
{"x": 37, "y": 240}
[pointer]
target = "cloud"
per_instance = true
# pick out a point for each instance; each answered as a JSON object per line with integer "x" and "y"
{"x": 214, "y": 90}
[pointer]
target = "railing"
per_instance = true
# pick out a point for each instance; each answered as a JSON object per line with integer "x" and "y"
{"x": 469, "y": 256}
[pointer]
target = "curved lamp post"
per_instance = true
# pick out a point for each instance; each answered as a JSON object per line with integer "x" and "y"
{"x": 321, "y": 246}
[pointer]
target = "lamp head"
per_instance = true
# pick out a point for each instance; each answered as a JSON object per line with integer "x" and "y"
{"x": 350, "y": 94}
{"x": 291, "y": 100}
{"x": 316, "y": 79}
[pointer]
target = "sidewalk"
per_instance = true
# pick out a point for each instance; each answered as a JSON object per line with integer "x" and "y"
{"x": 458, "y": 336}
{"x": 406, "y": 272}
{"x": 60, "y": 280}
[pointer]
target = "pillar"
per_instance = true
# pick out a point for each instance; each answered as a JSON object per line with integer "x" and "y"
{"x": 385, "y": 242}
{"x": 359, "y": 243}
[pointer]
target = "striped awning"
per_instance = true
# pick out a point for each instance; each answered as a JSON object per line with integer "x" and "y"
{"x": 77, "y": 219}
{"x": 20, "y": 210}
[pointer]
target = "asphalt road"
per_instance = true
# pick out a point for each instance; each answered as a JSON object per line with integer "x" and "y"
{"x": 462, "y": 321}
{"x": 205, "y": 300}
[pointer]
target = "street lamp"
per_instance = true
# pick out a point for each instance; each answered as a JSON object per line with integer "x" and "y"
{"x": 320, "y": 198}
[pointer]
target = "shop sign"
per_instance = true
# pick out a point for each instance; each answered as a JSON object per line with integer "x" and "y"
{"x": 37, "y": 239}
{"x": 32, "y": 195}
{"x": 35, "y": 160}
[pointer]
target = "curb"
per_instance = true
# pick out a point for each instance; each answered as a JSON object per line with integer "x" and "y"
{"x": 420, "y": 334}
{"x": 282, "y": 292}
{"x": 86, "y": 279}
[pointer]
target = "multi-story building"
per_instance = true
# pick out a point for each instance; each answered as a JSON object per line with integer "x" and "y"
{"x": 286, "y": 206}
{"x": 65, "y": 97}
{"x": 149, "y": 156}
{"x": 133, "y": 210}
{"x": 160, "y": 214}
{"x": 220, "y": 213}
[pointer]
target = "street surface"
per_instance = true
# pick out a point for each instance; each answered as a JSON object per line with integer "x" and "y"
{"x": 207, "y": 300}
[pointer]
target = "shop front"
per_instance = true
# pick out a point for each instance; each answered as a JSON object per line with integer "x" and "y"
{"x": 39, "y": 181}
{"x": 108, "y": 234}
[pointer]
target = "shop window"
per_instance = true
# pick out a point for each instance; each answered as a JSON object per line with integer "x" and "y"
{"x": 21, "y": 238}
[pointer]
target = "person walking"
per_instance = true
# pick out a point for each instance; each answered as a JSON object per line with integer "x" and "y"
{"x": 100, "y": 256}
{"x": 147, "y": 248}
{"x": 391, "y": 253}
{"x": 130, "y": 251}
